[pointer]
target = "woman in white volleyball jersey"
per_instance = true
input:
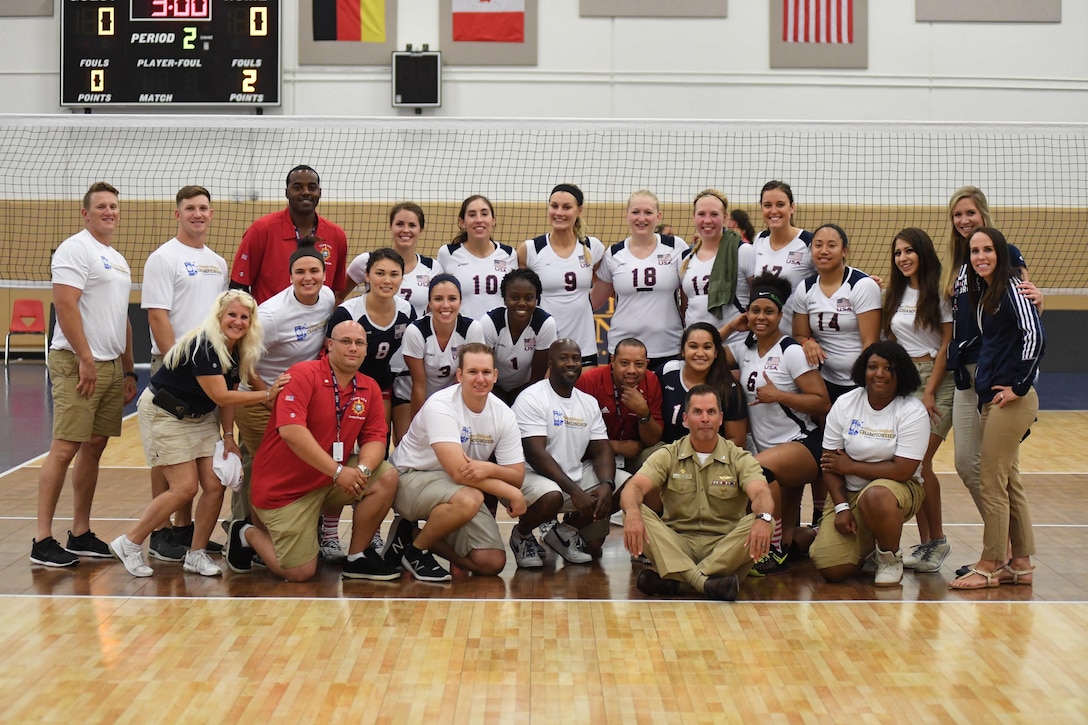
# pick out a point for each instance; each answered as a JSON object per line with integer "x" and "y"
{"x": 643, "y": 274}
{"x": 477, "y": 260}
{"x": 430, "y": 345}
{"x": 785, "y": 394}
{"x": 520, "y": 334}
{"x": 405, "y": 227}
{"x": 781, "y": 249}
{"x": 566, "y": 260}
{"x": 708, "y": 292}
{"x": 836, "y": 311}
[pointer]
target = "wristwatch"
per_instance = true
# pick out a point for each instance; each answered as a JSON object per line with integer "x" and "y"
{"x": 367, "y": 473}
{"x": 766, "y": 517}
{"x": 643, "y": 419}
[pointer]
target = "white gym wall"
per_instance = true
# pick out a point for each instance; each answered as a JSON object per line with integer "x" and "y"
{"x": 671, "y": 68}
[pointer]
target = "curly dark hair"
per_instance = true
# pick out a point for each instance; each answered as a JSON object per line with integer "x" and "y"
{"x": 907, "y": 379}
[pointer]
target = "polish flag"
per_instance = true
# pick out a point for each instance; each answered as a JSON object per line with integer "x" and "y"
{"x": 489, "y": 21}
{"x": 818, "y": 21}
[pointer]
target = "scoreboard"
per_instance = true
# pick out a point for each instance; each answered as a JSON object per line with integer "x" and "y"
{"x": 170, "y": 52}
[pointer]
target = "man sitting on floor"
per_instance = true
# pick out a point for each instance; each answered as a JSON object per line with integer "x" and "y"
{"x": 703, "y": 540}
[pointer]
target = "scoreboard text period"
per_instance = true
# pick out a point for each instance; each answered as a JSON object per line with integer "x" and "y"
{"x": 170, "y": 52}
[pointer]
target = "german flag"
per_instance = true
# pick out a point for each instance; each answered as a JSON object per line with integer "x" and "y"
{"x": 358, "y": 20}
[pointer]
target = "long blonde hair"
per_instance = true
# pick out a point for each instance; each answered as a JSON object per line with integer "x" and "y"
{"x": 697, "y": 243}
{"x": 957, "y": 245}
{"x": 248, "y": 349}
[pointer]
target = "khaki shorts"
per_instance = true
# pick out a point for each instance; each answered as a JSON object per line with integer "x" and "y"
{"x": 535, "y": 485}
{"x": 76, "y": 418}
{"x": 945, "y": 391}
{"x": 293, "y": 528}
{"x": 833, "y": 549}
{"x": 418, "y": 494}
{"x": 169, "y": 441}
{"x": 252, "y": 422}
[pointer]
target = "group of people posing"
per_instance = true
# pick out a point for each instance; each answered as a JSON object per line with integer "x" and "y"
{"x": 741, "y": 368}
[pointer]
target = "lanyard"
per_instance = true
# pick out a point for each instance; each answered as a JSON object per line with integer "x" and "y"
{"x": 622, "y": 418}
{"x": 336, "y": 399}
{"x": 313, "y": 234}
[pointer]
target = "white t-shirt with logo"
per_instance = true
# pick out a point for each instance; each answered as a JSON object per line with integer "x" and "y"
{"x": 918, "y": 342}
{"x": 293, "y": 332}
{"x": 445, "y": 418}
{"x": 185, "y": 282}
{"x": 569, "y": 424}
{"x": 103, "y": 275}
{"x": 874, "y": 436}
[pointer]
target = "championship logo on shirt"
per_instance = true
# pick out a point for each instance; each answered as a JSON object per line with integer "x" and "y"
{"x": 795, "y": 258}
{"x": 326, "y": 251}
{"x": 842, "y": 304}
{"x": 106, "y": 263}
{"x": 466, "y": 434}
{"x": 855, "y": 427}
{"x": 664, "y": 260}
{"x": 300, "y": 332}
{"x": 191, "y": 269}
{"x": 557, "y": 418}
{"x": 772, "y": 363}
{"x": 500, "y": 266}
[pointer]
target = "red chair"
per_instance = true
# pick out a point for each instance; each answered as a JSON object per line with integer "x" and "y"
{"x": 22, "y": 310}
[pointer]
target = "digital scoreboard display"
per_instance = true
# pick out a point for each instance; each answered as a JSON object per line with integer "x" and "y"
{"x": 170, "y": 52}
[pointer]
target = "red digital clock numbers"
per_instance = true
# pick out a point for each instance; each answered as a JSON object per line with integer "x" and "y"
{"x": 171, "y": 9}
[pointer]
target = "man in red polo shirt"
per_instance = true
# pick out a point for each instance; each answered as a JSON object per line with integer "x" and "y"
{"x": 630, "y": 400}
{"x": 262, "y": 263}
{"x": 305, "y": 463}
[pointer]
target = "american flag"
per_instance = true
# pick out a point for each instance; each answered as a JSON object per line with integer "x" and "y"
{"x": 818, "y": 21}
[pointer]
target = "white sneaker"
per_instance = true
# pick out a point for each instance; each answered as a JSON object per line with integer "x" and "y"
{"x": 565, "y": 540}
{"x": 332, "y": 552}
{"x": 198, "y": 562}
{"x": 131, "y": 555}
{"x": 524, "y": 549}
{"x": 889, "y": 572}
{"x": 912, "y": 557}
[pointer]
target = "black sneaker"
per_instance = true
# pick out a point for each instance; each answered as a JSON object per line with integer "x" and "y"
{"x": 422, "y": 565}
{"x": 774, "y": 562}
{"x": 650, "y": 582}
{"x": 722, "y": 588}
{"x": 48, "y": 552}
{"x": 370, "y": 566}
{"x": 400, "y": 536}
{"x": 164, "y": 546}
{"x": 184, "y": 536}
{"x": 239, "y": 553}
{"x": 88, "y": 544}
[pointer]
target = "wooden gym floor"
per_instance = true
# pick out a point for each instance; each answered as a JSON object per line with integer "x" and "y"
{"x": 568, "y": 644}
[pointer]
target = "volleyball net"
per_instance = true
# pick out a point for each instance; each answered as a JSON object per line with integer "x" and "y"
{"x": 871, "y": 178}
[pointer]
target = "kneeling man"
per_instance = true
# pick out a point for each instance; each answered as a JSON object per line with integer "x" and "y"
{"x": 304, "y": 463}
{"x": 445, "y": 469}
{"x": 704, "y": 540}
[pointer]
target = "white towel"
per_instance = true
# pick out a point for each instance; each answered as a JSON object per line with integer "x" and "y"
{"x": 229, "y": 469}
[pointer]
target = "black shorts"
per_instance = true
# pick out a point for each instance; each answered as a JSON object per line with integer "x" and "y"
{"x": 814, "y": 442}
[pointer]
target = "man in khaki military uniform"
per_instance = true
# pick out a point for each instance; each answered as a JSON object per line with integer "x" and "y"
{"x": 704, "y": 540}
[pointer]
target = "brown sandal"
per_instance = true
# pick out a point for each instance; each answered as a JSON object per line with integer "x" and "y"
{"x": 1016, "y": 574}
{"x": 990, "y": 577}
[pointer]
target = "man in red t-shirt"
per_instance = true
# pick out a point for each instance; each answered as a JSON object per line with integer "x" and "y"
{"x": 262, "y": 263}
{"x": 630, "y": 399}
{"x": 304, "y": 463}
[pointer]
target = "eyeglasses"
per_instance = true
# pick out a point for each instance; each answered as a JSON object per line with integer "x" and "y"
{"x": 348, "y": 342}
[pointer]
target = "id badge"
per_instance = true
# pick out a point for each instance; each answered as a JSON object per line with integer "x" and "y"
{"x": 338, "y": 451}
